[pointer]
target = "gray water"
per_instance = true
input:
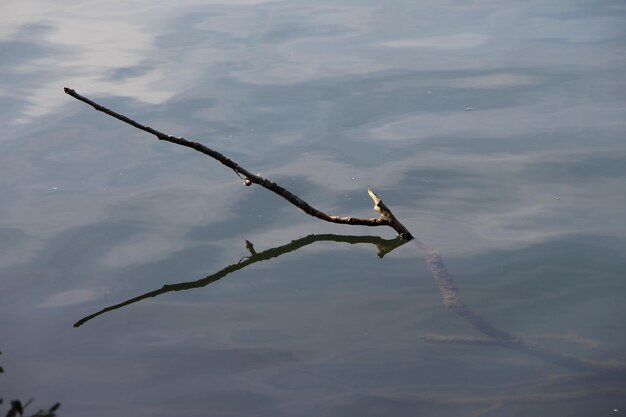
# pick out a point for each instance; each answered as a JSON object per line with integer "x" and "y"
{"x": 494, "y": 131}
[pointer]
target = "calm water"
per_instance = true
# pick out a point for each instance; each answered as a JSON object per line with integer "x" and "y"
{"x": 496, "y": 133}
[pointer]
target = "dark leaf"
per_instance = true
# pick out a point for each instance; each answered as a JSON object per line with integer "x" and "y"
{"x": 16, "y": 408}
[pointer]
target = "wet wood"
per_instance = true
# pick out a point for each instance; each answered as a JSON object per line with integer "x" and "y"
{"x": 386, "y": 218}
{"x": 494, "y": 336}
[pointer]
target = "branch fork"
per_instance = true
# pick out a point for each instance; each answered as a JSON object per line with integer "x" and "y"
{"x": 386, "y": 218}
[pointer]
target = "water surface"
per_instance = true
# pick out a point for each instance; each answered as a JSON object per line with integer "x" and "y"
{"x": 494, "y": 132}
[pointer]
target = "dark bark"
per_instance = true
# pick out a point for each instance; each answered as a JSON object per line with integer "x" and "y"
{"x": 386, "y": 218}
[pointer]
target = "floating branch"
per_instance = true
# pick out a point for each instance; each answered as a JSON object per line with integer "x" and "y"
{"x": 383, "y": 246}
{"x": 386, "y": 218}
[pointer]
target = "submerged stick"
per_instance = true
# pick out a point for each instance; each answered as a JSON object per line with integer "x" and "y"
{"x": 386, "y": 218}
{"x": 494, "y": 336}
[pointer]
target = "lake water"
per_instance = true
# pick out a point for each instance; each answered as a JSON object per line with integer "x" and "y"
{"x": 496, "y": 132}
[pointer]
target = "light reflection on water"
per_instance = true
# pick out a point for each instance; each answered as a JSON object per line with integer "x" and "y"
{"x": 495, "y": 133}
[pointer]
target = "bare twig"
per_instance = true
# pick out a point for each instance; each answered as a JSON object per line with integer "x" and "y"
{"x": 386, "y": 218}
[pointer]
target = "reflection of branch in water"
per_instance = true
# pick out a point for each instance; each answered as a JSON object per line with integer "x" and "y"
{"x": 383, "y": 246}
{"x": 599, "y": 379}
{"x": 452, "y": 300}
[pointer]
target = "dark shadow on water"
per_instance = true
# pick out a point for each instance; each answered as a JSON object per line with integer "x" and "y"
{"x": 383, "y": 247}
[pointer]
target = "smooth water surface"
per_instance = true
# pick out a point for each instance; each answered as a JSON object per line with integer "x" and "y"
{"x": 496, "y": 132}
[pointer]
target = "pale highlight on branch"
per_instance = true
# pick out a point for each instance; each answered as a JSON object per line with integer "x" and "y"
{"x": 386, "y": 218}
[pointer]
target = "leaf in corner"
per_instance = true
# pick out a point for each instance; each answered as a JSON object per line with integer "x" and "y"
{"x": 16, "y": 408}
